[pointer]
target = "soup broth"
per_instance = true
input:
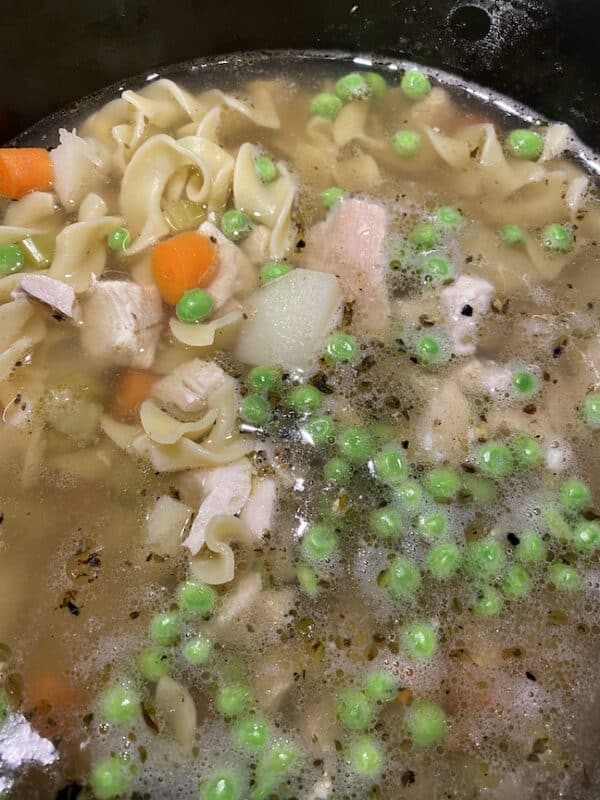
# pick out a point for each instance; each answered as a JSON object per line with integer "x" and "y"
{"x": 300, "y": 379}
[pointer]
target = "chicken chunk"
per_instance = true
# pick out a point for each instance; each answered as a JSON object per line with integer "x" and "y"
{"x": 349, "y": 244}
{"x": 186, "y": 391}
{"x": 464, "y": 303}
{"x": 235, "y": 274}
{"x": 121, "y": 323}
{"x": 55, "y": 294}
{"x": 224, "y": 490}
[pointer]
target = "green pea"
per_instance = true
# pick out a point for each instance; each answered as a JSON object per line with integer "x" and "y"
{"x": 119, "y": 239}
{"x": 586, "y": 537}
{"x": 481, "y": 490}
{"x": 273, "y": 270}
{"x": 224, "y": 784}
{"x": 337, "y": 470}
{"x": 165, "y": 628}
{"x": 410, "y": 495}
{"x": 376, "y": 83}
{"x": 511, "y": 235}
{"x": 433, "y": 525}
{"x": 365, "y": 756}
{"x": 233, "y": 700}
{"x": 591, "y": 410}
{"x": 415, "y": 84}
{"x": 352, "y": 87}
{"x": 342, "y": 348}
{"x": 406, "y": 143}
{"x": 325, "y": 105}
{"x": 495, "y": 460}
{"x": 255, "y": 410}
{"x": 442, "y": 483}
{"x": 558, "y": 238}
{"x": 251, "y": 733}
{"x": 307, "y": 578}
{"x": 525, "y": 144}
{"x": 197, "y": 650}
{"x": 443, "y": 560}
{"x": 380, "y": 686}
{"x": 517, "y": 583}
{"x": 485, "y": 558}
{"x": 429, "y": 349}
{"x": 235, "y": 225}
{"x": 386, "y": 522}
{"x": 266, "y": 170}
{"x": 153, "y": 663}
{"x": 488, "y": 603}
{"x": 401, "y": 578}
{"x": 305, "y": 399}
{"x": 390, "y": 466}
{"x": 439, "y": 268}
{"x": 320, "y": 430}
{"x": 263, "y": 380}
{"x": 419, "y": 640}
{"x": 272, "y": 768}
{"x": 574, "y": 496}
{"x": 355, "y": 444}
{"x": 194, "y": 306}
{"x": 319, "y": 542}
{"x": 424, "y": 236}
{"x": 448, "y": 217}
{"x": 109, "y": 779}
{"x": 196, "y": 599}
{"x": 556, "y": 524}
{"x": 426, "y": 723}
{"x": 329, "y": 197}
{"x": 527, "y": 451}
{"x": 12, "y": 259}
{"x": 564, "y": 577}
{"x": 531, "y": 548}
{"x": 353, "y": 709}
{"x": 524, "y": 383}
{"x": 120, "y": 705}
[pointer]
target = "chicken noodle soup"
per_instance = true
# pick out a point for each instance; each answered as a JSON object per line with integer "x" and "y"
{"x": 300, "y": 378}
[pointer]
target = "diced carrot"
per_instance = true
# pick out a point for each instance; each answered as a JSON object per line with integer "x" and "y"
{"x": 23, "y": 170}
{"x": 183, "y": 262}
{"x": 134, "y": 387}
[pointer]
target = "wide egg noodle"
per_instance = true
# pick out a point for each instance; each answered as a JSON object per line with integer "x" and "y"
{"x": 81, "y": 251}
{"x": 206, "y": 334}
{"x": 215, "y": 564}
{"x": 21, "y": 328}
{"x": 162, "y": 428}
{"x": 36, "y": 210}
{"x": 268, "y": 203}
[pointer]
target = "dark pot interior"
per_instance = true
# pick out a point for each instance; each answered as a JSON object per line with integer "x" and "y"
{"x": 541, "y": 52}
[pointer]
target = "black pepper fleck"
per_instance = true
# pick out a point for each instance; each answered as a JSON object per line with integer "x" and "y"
{"x": 513, "y": 539}
{"x": 530, "y": 676}
{"x": 467, "y": 310}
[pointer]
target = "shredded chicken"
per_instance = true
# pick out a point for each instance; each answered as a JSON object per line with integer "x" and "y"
{"x": 187, "y": 389}
{"x": 56, "y": 294}
{"x": 349, "y": 244}
{"x": 224, "y": 490}
{"x": 121, "y": 323}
